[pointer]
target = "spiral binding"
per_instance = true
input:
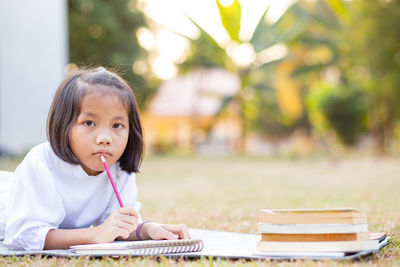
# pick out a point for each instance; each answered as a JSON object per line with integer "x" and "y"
{"x": 171, "y": 246}
{"x": 152, "y": 247}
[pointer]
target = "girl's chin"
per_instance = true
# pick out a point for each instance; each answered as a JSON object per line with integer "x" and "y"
{"x": 93, "y": 171}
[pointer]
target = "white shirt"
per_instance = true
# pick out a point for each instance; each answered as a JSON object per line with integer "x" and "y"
{"x": 48, "y": 193}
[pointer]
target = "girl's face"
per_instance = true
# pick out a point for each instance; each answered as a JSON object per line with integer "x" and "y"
{"x": 102, "y": 128}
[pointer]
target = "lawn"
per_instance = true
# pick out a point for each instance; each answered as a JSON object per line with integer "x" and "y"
{"x": 225, "y": 193}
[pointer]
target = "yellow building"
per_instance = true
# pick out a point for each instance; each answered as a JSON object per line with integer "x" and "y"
{"x": 183, "y": 114}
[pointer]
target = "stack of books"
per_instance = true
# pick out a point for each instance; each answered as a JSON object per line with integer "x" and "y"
{"x": 341, "y": 230}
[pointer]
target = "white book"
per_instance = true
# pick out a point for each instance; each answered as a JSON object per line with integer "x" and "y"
{"x": 311, "y": 228}
{"x": 334, "y": 246}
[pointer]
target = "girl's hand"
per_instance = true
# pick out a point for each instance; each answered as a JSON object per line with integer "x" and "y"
{"x": 120, "y": 224}
{"x": 158, "y": 231}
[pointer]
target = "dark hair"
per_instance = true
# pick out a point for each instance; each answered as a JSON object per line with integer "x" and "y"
{"x": 66, "y": 107}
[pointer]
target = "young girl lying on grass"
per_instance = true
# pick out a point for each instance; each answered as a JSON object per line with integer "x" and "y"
{"x": 60, "y": 193}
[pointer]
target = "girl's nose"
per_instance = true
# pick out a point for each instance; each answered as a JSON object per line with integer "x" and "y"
{"x": 103, "y": 138}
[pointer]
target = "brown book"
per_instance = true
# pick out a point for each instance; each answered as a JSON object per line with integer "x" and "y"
{"x": 312, "y": 216}
{"x": 315, "y": 237}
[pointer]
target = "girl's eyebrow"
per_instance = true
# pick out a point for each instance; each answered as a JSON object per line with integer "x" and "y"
{"x": 89, "y": 114}
{"x": 119, "y": 118}
{"x": 116, "y": 118}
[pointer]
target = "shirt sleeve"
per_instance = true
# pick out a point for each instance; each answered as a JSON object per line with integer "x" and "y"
{"x": 33, "y": 207}
{"x": 128, "y": 192}
{"x": 5, "y": 184}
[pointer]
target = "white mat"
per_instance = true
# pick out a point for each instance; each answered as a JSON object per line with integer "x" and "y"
{"x": 217, "y": 244}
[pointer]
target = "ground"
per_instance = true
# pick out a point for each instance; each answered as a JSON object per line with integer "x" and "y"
{"x": 225, "y": 193}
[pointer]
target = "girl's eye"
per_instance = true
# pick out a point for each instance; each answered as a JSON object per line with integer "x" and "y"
{"x": 117, "y": 126}
{"x": 89, "y": 123}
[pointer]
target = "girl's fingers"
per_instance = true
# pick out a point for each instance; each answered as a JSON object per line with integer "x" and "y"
{"x": 127, "y": 226}
{"x": 127, "y": 222}
{"x": 121, "y": 232}
{"x": 130, "y": 220}
{"x": 166, "y": 234}
{"x": 128, "y": 211}
{"x": 180, "y": 229}
{"x": 184, "y": 232}
{"x": 127, "y": 215}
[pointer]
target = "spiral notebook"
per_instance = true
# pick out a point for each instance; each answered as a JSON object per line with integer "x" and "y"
{"x": 135, "y": 248}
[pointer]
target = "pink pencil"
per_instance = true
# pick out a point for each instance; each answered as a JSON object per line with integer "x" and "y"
{"x": 111, "y": 180}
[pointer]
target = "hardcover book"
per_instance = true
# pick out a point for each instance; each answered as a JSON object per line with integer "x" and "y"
{"x": 312, "y": 216}
{"x": 311, "y": 228}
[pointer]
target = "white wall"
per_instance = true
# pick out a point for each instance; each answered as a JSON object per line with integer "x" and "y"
{"x": 33, "y": 54}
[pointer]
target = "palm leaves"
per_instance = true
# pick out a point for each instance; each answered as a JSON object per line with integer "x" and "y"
{"x": 260, "y": 109}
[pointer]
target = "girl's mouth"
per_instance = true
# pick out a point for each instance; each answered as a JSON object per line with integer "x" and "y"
{"x": 103, "y": 153}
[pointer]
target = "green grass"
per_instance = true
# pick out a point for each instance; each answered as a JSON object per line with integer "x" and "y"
{"x": 226, "y": 193}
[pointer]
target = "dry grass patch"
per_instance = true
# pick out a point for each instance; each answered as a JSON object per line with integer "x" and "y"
{"x": 226, "y": 193}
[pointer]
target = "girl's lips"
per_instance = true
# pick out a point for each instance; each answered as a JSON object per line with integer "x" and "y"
{"x": 103, "y": 153}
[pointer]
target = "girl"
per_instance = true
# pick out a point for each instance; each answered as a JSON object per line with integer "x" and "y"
{"x": 60, "y": 193}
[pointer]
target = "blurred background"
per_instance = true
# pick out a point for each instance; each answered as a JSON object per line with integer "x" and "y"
{"x": 250, "y": 77}
{"x": 230, "y": 92}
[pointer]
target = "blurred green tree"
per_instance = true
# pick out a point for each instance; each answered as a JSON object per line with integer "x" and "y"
{"x": 373, "y": 62}
{"x": 341, "y": 108}
{"x": 104, "y": 33}
{"x": 260, "y": 107}
{"x": 321, "y": 55}
{"x": 273, "y": 88}
{"x": 365, "y": 53}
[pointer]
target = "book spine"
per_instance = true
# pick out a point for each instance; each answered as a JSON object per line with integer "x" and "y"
{"x": 311, "y": 228}
{"x": 313, "y": 218}
{"x": 314, "y": 237}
